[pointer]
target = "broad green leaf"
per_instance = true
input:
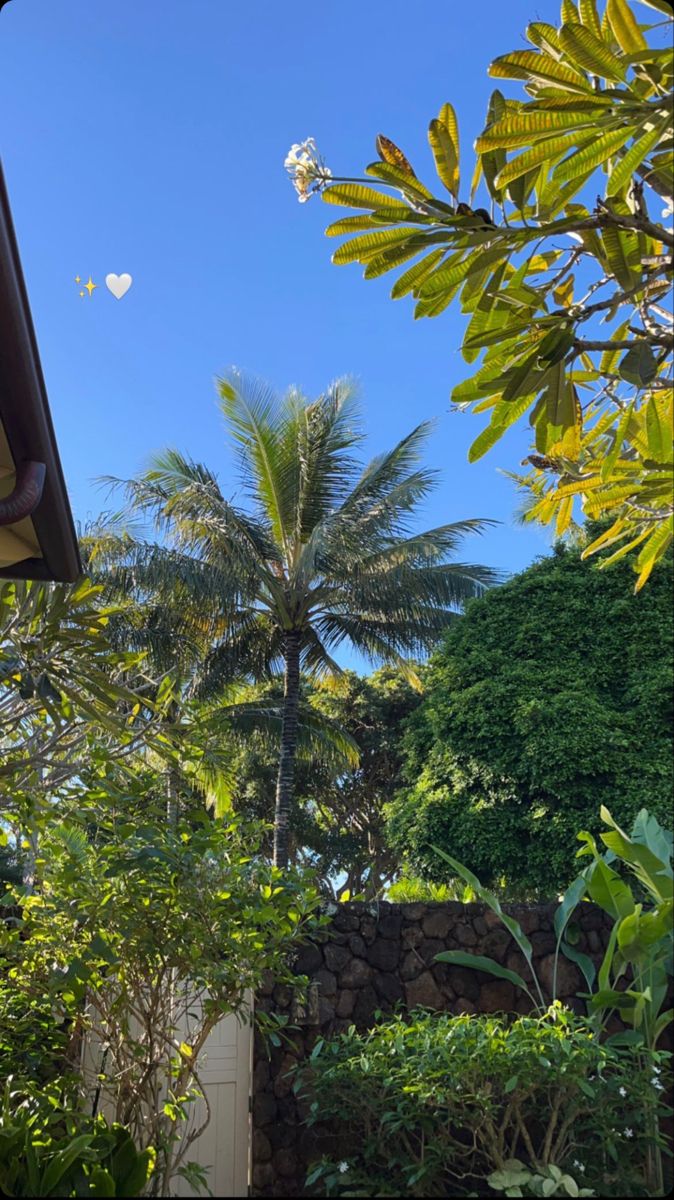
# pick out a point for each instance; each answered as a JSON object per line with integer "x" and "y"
{"x": 415, "y": 274}
{"x": 617, "y": 247}
{"x": 549, "y": 150}
{"x": 63, "y": 1161}
{"x": 568, "y": 904}
{"x": 489, "y": 898}
{"x": 664, "y": 1020}
{"x": 589, "y": 16}
{"x": 447, "y": 276}
{"x": 360, "y": 249}
{"x": 588, "y": 51}
{"x": 545, "y": 36}
{"x": 625, "y": 28}
{"x": 443, "y": 136}
{"x": 350, "y": 225}
{"x": 608, "y": 890}
{"x": 613, "y": 454}
{"x": 354, "y": 195}
{"x": 610, "y": 358}
{"x": 638, "y": 366}
{"x": 625, "y": 167}
{"x": 431, "y": 306}
{"x": 101, "y": 1183}
{"x": 581, "y": 960}
{"x": 520, "y": 129}
{"x": 497, "y": 335}
{"x": 659, "y": 427}
{"x": 527, "y": 64}
{"x": 379, "y": 264}
{"x": 503, "y": 417}
{"x": 399, "y": 178}
{"x": 479, "y": 963}
{"x": 526, "y": 379}
{"x": 654, "y": 872}
{"x": 486, "y": 313}
{"x": 604, "y": 973}
{"x": 591, "y": 155}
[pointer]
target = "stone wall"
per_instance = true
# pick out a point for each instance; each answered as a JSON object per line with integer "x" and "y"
{"x": 371, "y": 957}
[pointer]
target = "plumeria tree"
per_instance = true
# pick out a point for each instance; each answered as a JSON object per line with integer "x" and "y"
{"x": 565, "y": 289}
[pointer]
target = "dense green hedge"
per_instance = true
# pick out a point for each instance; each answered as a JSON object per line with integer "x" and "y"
{"x": 550, "y": 698}
{"x": 431, "y": 1104}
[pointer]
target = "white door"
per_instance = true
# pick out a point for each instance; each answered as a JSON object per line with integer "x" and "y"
{"x": 224, "y": 1146}
{"x": 225, "y": 1067}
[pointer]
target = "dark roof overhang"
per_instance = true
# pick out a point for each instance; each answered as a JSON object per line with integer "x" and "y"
{"x": 37, "y": 535}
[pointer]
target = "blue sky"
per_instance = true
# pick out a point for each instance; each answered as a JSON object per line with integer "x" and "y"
{"x": 148, "y": 136}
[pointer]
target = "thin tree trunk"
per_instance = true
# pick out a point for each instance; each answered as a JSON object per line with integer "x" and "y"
{"x": 172, "y": 802}
{"x": 286, "y": 768}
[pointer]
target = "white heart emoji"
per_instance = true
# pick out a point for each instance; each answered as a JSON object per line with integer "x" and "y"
{"x": 118, "y": 284}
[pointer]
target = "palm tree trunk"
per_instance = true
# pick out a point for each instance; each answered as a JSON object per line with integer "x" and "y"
{"x": 286, "y": 768}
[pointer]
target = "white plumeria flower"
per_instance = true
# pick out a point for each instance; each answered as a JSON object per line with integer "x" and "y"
{"x": 629, "y": 1132}
{"x": 343, "y": 1166}
{"x": 622, "y": 1091}
{"x": 307, "y": 169}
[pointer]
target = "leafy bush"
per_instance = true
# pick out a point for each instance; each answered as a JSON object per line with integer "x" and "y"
{"x": 411, "y": 888}
{"x": 142, "y": 932}
{"x": 49, "y": 1147}
{"x": 551, "y": 697}
{"x": 432, "y": 1105}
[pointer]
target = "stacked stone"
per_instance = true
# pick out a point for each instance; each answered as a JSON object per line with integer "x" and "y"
{"x": 372, "y": 957}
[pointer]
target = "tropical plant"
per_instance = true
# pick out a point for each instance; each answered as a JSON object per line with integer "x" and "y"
{"x": 327, "y": 555}
{"x": 50, "y": 1147}
{"x": 550, "y": 1181}
{"x": 551, "y": 697}
{"x": 573, "y": 333}
{"x": 410, "y": 889}
{"x": 337, "y": 822}
{"x": 67, "y": 695}
{"x": 431, "y": 1104}
{"x": 635, "y": 975}
{"x": 139, "y": 941}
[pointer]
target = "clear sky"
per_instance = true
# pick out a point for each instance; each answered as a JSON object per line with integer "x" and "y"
{"x": 148, "y": 136}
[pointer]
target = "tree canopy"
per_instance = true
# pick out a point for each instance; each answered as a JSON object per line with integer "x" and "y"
{"x": 550, "y": 698}
{"x": 563, "y": 288}
{"x": 326, "y": 553}
{"x": 337, "y": 817}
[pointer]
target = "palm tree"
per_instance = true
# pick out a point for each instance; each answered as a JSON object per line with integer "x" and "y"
{"x": 324, "y": 554}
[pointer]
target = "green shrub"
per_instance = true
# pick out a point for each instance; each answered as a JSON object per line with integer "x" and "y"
{"x": 432, "y": 1105}
{"x": 410, "y": 888}
{"x": 550, "y": 697}
{"x": 49, "y": 1147}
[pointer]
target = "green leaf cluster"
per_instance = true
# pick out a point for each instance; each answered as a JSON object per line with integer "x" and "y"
{"x": 551, "y": 697}
{"x": 562, "y": 289}
{"x": 50, "y": 1147}
{"x": 432, "y": 1104}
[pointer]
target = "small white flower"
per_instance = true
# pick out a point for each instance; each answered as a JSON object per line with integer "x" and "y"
{"x": 343, "y": 1166}
{"x": 307, "y": 169}
{"x": 656, "y": 1083}
{"x": 656, "y": 1070}
{"x": 622, "y": 1091}
{"x": 629, "y": 1132}
{"x": 579, "y": 1166}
